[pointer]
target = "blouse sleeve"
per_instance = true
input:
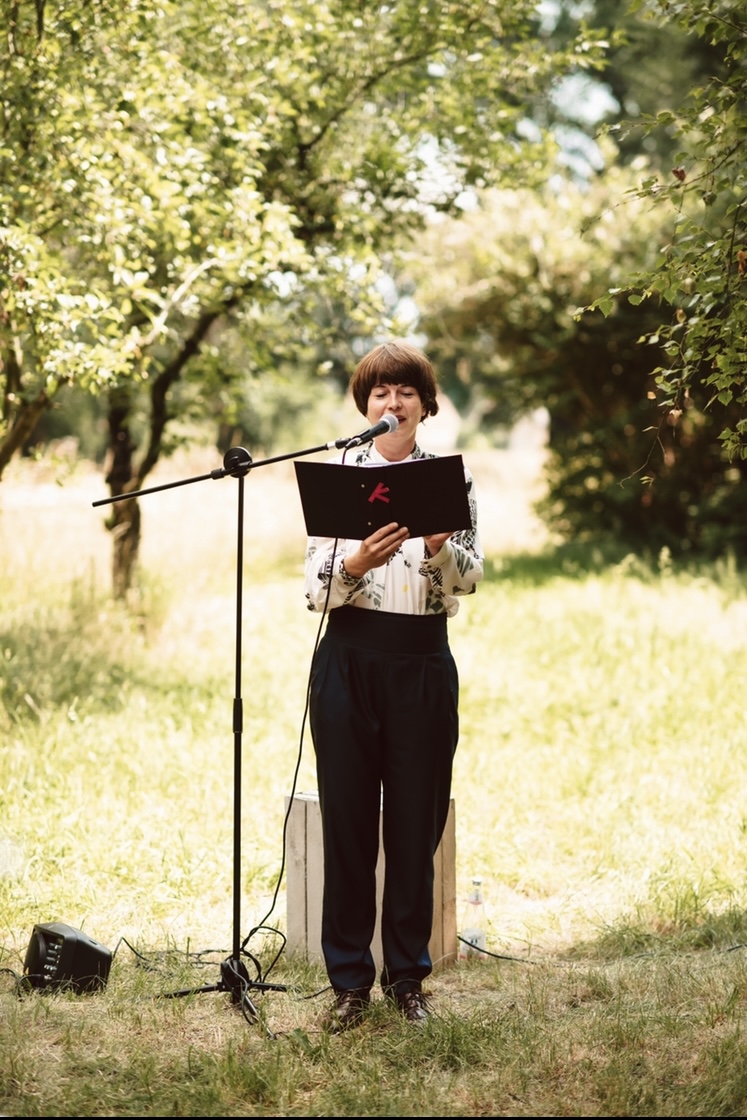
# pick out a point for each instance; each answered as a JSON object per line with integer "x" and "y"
{"x": 459, "y": 565}
{"x": 328, "y": 584}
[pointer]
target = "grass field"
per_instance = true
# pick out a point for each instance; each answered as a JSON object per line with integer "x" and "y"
{"x": 600, "y": 793}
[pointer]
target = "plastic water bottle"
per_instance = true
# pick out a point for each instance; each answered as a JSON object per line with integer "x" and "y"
{"x": 473, "y": 925}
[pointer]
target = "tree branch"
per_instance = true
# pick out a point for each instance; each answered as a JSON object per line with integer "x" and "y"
{"x": 171, "y": 374}
{"x": 22, "y": 427}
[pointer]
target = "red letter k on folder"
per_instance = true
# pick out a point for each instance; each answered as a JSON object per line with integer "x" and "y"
{"x": 378, "y": 494}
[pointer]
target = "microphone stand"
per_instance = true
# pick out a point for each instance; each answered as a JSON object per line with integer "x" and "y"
{"x": 237, "y": 462}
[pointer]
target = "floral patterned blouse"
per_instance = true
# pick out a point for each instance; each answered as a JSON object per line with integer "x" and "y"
{"x": 412, "y": 582}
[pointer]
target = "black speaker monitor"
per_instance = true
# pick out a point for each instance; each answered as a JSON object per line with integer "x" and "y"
{"x": 59, "y": 956}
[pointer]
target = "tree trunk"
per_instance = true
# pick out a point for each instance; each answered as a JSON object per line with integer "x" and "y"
{"x": 123, "y": 476}
{"x": 124, "y": 523}
{"x": 124, "y": 520}
{"x": 20, "y": 416}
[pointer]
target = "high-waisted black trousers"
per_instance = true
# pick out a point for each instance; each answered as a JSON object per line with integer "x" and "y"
{"x": 384, "y": 721}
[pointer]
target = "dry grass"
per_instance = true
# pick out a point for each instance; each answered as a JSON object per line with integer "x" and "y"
{"x": 600, "y": 788}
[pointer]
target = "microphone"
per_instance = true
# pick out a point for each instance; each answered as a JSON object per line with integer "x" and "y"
{"x": 388, "y": 423}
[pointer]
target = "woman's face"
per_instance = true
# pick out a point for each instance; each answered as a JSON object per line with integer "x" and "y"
{"x": 402, "y": 401}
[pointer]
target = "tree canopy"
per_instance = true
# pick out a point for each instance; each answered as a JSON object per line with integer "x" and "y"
{"x": 615, "y": 298}
{"x": 698, "y": 281}
{"x": 197, "y": 196}
{"x": 164, "y": 164}
{"x": 170, "y": 169}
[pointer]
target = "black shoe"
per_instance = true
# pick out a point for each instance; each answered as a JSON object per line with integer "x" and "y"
{"x": 413, "y": 1005}
{"x": 347, "y": 1011}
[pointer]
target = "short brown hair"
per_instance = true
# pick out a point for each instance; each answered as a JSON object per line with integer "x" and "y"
{"x": 395, "y": 363}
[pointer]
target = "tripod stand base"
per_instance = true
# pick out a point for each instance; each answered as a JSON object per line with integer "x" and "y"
{"x": 234, "y": 978}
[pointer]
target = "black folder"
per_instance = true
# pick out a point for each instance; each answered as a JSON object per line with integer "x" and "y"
{"x": 341, "y": 500}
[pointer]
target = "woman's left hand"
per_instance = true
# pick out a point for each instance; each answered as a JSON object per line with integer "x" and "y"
{"x": 435, "y": 543}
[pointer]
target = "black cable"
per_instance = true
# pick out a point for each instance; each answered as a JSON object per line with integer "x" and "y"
{"x": 496, "y": 956}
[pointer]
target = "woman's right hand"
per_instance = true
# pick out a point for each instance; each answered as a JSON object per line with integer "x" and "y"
{"x": 376, "y": 550}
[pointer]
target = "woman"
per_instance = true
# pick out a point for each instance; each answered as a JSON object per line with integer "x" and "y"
{"x": 384, "y": 708}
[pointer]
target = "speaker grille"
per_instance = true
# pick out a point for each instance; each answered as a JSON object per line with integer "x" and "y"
{"x": 59, "y": 956}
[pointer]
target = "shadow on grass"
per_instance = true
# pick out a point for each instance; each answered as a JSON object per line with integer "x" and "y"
{"x": 87, "y": 661}
{"x": 578, "y": 561}
{"x": 723, "y": 931}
